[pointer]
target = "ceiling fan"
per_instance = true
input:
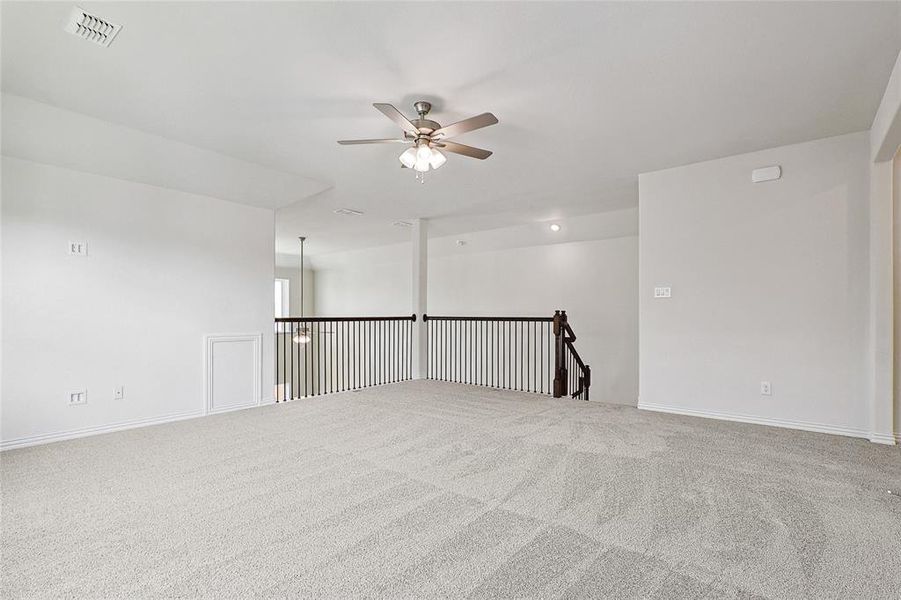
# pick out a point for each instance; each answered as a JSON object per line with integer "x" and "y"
{"x": 428, "y": 138}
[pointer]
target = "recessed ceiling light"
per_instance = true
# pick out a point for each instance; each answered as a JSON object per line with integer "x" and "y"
{"x": 348, "y": 212}
{"x": 403, "y": 224}
{"x": 555, "y": 227}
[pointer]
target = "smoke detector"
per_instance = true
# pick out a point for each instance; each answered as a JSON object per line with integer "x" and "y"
{"x": 348, "y": 212}
{"x": 92, "y": 28}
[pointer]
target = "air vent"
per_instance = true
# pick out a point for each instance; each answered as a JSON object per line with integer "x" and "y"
{"x": 348, "y": 212}
{"x": 91, "y": 27}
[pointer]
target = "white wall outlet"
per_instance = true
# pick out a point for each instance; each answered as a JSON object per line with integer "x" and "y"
{"x": 663, "y": 292}
{"x": 119, "y": 393}
{"x": 766, "y": 388}
{"x": 78, "y": 248}
{"x": 78, "y": 397}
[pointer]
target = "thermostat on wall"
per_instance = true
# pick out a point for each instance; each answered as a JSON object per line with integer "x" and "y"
{"x": 766, "y": 174}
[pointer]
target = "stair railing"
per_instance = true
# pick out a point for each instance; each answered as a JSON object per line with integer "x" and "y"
{"x": 510, "y": 353}
{"x": 571, "y": 375}
{"x": 322, "y": 355}
{"x": 530, "y": 354}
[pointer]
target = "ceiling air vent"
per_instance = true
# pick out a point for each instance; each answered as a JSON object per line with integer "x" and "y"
{"x": 91, "y": 27}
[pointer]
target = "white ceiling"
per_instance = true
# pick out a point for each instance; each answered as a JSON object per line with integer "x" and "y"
{"x": 588, "y": 95}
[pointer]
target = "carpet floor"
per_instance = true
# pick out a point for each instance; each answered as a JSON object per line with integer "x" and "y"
{"x": 435, "y": 490}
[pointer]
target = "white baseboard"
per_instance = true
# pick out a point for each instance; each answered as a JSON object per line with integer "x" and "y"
{"x": 46, "y": 438}
{"x": 740, "y": 418}
{"x": 883, "y": 438}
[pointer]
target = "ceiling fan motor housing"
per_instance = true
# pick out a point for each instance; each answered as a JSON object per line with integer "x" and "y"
{"x": 425, "y": 125}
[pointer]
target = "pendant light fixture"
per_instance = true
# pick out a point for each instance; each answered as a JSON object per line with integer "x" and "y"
{"x": 301, "y": 333}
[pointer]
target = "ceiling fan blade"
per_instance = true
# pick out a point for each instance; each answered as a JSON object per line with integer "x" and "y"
{"x": 382, "y": 141}
{"x": 455, "y": 129}
{"x": 464, "y": 150}
{"x": 396, "y": 116}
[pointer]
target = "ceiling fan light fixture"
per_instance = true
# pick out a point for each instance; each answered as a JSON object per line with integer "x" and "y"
{"x": 437, "y": 159}
{"x": 408, "y": 157}
{"x": 301, "y": 336}
{"x": 423, "y": 132}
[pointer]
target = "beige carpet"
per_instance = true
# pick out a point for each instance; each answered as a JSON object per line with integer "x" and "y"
{"x": 426, "y": 489}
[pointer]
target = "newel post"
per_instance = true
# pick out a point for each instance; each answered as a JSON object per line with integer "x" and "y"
{"x": 559, "y": 357}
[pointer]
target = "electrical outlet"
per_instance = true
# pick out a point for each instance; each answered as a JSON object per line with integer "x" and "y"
{"x": 766, "y": 388}
{"x": 663, "y": 292}
{"x": 78, "y": 248}
{"x": 78, "y": 397}
{"x": 119, "y": 393}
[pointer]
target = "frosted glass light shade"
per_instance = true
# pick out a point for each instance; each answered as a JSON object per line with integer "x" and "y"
{"x": 408, "y": 158}
{"x": 437, "y": 159}
{"x": 423, "y": 152}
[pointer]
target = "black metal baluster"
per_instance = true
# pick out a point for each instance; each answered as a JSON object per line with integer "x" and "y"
{"x": 495, "y": 375}
{"x": 278, "y": 367}
{"x": 522, "y": 358}
{"x": 343, "y": 364}
{"x": 453, "y": 342}
{"x": 306, "y": 360}
{"x": 534, "y": 326}
{"x": 330, "y": 357}
{"x": 280, "y": 375}
{"x": 336, "y": 356}
{"x": 507, "y": 354}
{"x": 453, "y": 337}
{"x": 541, "y": 329}
{"x": 474, "y": 354}
{"x": 478, "y": 356}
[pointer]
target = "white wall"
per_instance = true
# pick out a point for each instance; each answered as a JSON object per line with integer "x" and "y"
{"x": 365, "y": 286}
{"x": 163, "y": 269}
{"x": 498, "y": 273}
{"x": 896, "y": 191}
{"x": 769, "y": 282}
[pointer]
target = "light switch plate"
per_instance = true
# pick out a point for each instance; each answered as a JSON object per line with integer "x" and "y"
{"x": 78, "y": 397}
{"x": 663, "y": 292}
